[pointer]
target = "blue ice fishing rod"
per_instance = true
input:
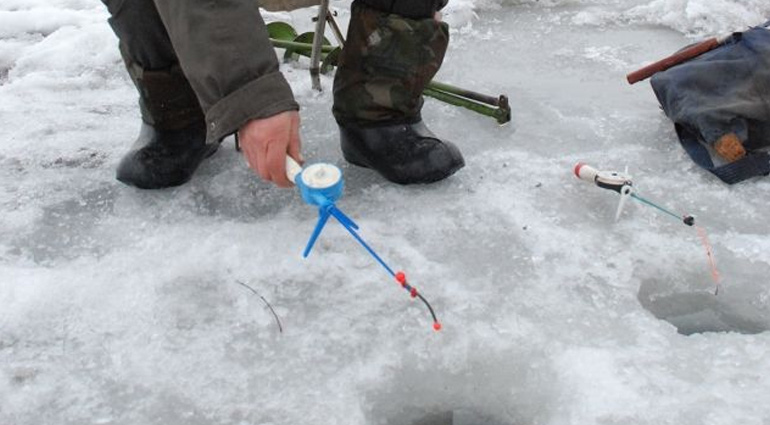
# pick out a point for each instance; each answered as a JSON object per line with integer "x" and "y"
{"x": 621, "y": 183}
{"x": 320, "y": 185}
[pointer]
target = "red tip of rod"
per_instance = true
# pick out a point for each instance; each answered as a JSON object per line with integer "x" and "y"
{"x": 578, "y": 166}
{"x": 437, "y": 326}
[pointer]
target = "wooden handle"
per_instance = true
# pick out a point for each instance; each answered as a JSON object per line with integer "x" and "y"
{"x": 675, "y": 59}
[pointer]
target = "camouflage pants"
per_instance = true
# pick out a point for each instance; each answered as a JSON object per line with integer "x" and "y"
{"x": 385, "y": 65}
{"x": 387, "y": 61}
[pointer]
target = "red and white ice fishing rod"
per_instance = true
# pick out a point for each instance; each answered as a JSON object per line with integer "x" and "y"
{"x": 622, "y": 183}
{"x": 321, "y": 185}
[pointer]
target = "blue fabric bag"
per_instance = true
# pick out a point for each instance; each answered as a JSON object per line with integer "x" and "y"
{"x": 725, "y": 90}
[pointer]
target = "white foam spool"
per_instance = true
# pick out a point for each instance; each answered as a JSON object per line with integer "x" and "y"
{"x": 321, "y": 176}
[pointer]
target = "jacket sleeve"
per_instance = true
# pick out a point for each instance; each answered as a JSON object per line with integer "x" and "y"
{"x": 225, "y": 51}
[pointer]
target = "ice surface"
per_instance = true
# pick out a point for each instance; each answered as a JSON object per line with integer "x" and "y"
{"x": 120, "y": 306}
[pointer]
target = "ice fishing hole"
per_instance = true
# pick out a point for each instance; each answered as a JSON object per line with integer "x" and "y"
{"x": 486, "y": 386}
{"x": 702, "y": 311}
{"x": 450, "y": 417}
{"x": 414, "y": 415}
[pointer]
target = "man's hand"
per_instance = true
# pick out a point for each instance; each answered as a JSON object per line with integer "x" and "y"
{"x": 266, "y": 142}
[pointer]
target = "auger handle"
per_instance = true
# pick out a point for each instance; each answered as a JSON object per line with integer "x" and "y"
{"x": 679, "y": 57}
{"x": 586, "y": 172}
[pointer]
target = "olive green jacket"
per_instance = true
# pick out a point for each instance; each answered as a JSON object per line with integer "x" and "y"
{"x": 225, "y": 52}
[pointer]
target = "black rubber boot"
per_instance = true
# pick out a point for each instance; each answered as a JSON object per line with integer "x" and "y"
{"x": 165, "y": 158}
{"x": 172, "y": 141}
{"x": 402, "y": 153}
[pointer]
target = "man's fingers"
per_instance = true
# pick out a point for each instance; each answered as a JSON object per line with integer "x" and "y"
{"x": 251, "y": 160}
{"x": 276, "y": 163}
{"x": 267, "y": 141}
{"x": 256, "y": 158}
{"x": 295, "y": 144}
{"x": 263, "y": 162}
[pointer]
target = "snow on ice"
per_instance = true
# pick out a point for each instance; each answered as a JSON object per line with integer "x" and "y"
{"x": 120, "y": 306}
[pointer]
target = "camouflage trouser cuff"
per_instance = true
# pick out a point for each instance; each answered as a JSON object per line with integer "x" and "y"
{"x": 412, "y": 9}
{"x": 385, "y": 65}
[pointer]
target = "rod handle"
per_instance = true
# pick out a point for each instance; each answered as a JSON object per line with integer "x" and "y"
{"x": 292, "y": 169}
{"x": 585, "y": 172}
